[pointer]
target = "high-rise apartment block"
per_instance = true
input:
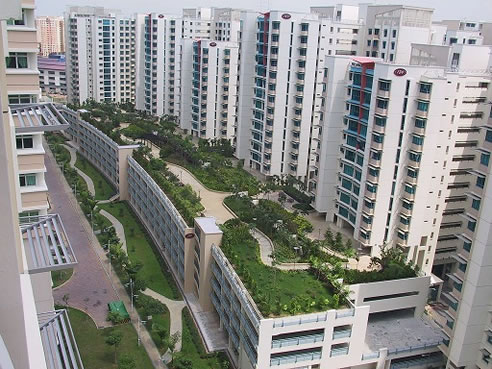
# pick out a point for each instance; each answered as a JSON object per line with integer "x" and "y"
{"x": 51, "y": 35}
{"x": 100, "y": 54}
{"x": 32, "y": 333}
{"x": 209, "y": 106}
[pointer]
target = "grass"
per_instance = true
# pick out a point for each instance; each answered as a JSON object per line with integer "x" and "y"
{"x": 61, "y": 276}
{"x": 193, "y": 350}
{"x": 95, "y": 353}
{"x": 275, "y": 292}
{"x": 164, "y": 321}
{"x": 141, "y": 248}
{"x": 104, "y": 190}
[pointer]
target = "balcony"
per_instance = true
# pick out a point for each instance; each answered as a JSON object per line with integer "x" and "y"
{"x": 29, "y": 118}
{"x": 383, "y": 93}
{"x": 378, "y": 129}
{"x": 339, "y": 351}
{"x": 410, "y": 180}
{"x": 409, "y": 196}
{"x": 405, "y": 211}
{"x": 372, "y": 178}
{"x": 295, "y": 357}
{"x": 59, "y": 346}
{"x": 419, "y": 131}
{"x": 46, "y": 244}
{"x": 376, "y": 145}
{"x": 403, "y": 226}
{"x": 413, "y": 163}
{"x": 421, "y": 113}
{"x": 416, "y": 147}
{"x": 375, "y": 162}
{"x": 370, "y": 195}
{"x": 299, "y": 340}
{"x": 381, "y": 111}
{"x": 345, "y": 333}
{"x": 367, "y": 210}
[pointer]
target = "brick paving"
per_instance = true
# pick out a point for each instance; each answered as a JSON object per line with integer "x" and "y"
{"x": 89, "y": 289}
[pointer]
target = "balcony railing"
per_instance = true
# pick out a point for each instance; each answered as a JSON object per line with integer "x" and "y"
{"x": 300, "y": 340}
{"x": 47, "y": 245}
{"x": 295, "y": 358}
{"x": 59, "y": 346}
{"x": 339, "y": 351}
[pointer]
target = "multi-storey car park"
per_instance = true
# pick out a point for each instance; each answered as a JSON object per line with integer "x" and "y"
{"x": 229, "y": 318}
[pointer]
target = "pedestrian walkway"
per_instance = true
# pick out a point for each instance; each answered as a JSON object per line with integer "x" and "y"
{"x": 211, "y": 200}
{"x": 92, "y": 284}
{"x": 85, "y": 177}
{"x": 118, "y": 227}
{"x": 175, "y": 314}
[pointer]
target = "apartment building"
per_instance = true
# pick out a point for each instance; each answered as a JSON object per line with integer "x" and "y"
{"x": 462, "y": 258}
{"x": 159, "y": 64}
{"x": 100, "y": 54}
{"x": 286, "y": 71}
{"x": 220, "y": 24}
{"x": 32, "y": 333}
{"x": 51, "y": 35}
{"x": 390, "y": 31}
{"x": 52, "y": 75}
{"x": 467, "y": 32}
{"x": 210, "y": 88}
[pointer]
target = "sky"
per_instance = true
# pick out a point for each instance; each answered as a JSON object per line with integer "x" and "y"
{"x": 480, "y": 10}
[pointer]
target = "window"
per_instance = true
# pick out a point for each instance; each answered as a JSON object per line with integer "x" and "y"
{"x": 476, "y": 204}
{"x": 471, "y": 225}
{"x": 420, "y": 123}
{"x": 394, "y": 33}
{"x": 484, "y": 159}
{"x": 26, "y": 180}
{"x": 422, "y": 106}
{"x": 480, "y": 182}
{"x": 382, "y": 104}
{"x": 17, "y": 22}
{"x": 24, "y": 142}
{"x": 417, "y": 140}
{"x": 276, "y": 25}
{"x": 16, "y": 60}
{"x": 488, "y": 136}
{"x": 384, "y": 85}
{"x": 21, "y": 99}
{"x": 425, "y": 88}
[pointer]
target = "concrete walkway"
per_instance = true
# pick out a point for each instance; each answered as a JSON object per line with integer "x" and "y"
{"x": 87, "y": 179}
{"x": 118, "y": 227}
{"x": 175, "y": 316}
{"x": 211, "y": 200}
{"x": 111, "y": 199}
{"x": 92, "y": 278}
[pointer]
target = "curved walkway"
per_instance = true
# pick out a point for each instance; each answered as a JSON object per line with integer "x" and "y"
{"x": 118, "y": 227}
{"x": 87, "y": 179}
{"x": 211, "y": 200}
{"x": 175, "y": 307}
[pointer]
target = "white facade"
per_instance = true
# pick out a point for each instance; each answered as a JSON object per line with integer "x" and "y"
{"x": 391, "y": 30}
{"x": 210, "y": 88}
{"x": 100, "y": 55}
{"x": 51, "y": 35}
{"x": 159, "y": 64}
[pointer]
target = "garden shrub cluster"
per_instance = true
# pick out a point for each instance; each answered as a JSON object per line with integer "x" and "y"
{"x": 182, "y": 196}
{"x": 276, "y": 292}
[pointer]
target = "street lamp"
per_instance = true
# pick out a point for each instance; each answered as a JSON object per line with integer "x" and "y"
{"x": 296, "y": 248}
{"x": 138, "y": 330}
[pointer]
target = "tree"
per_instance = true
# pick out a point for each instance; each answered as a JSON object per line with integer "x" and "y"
{"x": 127, "y": 362}
{"x": 338, "y": 241}
{"x": 160, "y": 331}
{"x": 329, "y": 237}
{"x": 114, "y": 317}
{"x": 172, "y": 342}
{"x": 114, "y": 339}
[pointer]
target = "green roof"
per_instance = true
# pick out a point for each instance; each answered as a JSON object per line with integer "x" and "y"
{"x": 119, "y": 307}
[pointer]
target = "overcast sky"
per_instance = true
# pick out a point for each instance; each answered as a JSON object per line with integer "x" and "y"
{"x": 444, "y": 9}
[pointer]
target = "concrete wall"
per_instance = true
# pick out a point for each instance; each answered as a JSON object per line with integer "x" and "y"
{"x": 416, "y": 288}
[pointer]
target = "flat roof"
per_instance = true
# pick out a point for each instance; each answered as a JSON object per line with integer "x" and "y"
{"x": 208, "y": 225}
{"x": 401, "y": 330}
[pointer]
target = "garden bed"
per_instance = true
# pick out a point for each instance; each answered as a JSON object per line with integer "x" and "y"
{"x": 275, "y": 292}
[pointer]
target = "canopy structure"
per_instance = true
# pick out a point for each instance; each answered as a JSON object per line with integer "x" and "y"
{"x": 40, "y": 117}
{"x": 47, "y": 245}
{"x": 119, "y": 307}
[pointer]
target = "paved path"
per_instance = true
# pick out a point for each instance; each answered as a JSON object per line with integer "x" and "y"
{"x": 91, "y": 287}
{"x": 211, "y": 200}
{"x": 111, "y": 199}
{"x": 118, "y": 227}
{"x": 175, "y": 316}
{"x": 87, "y": 179}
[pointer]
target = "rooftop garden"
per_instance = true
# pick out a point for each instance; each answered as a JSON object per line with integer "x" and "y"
{"x": 182, "y": 196}
{"x": 286, "y": 229}
{"x": 104, "y": 189}
{"x": 276, "y": 292}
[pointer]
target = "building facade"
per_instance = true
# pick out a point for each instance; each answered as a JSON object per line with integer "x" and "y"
{"x": 100, "y": 55}
{"x": 52, "y": 74}
{"x": 210, "y": 89}
{"x": 32, "y": 333}
{"x": 51, "y": 35}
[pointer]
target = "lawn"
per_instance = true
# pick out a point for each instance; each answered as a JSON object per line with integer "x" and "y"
{"x": 141, "y": 248}
{"x": 95, "y": 353}
{"x": 276, "y": 292}
{"x": 104, "y": 190}
{"x": 61, "y": 276}
{"x": 193, "y": 350}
